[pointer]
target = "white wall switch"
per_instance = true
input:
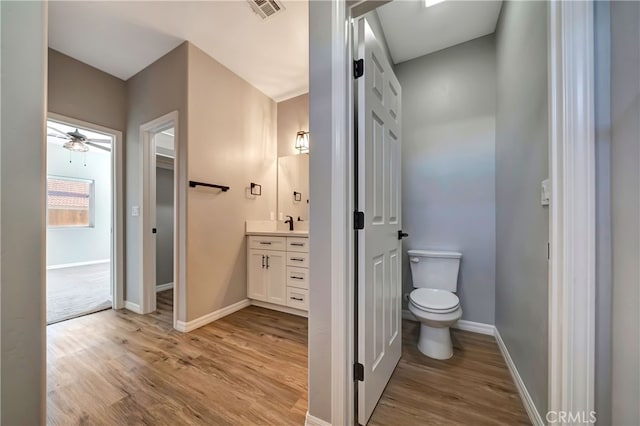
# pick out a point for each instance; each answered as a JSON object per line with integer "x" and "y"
{"x": 545, "y": 194}
{"x": 135, "y": 211}
{"x": 272, "y": 216}
{"x": 280, "y": 216}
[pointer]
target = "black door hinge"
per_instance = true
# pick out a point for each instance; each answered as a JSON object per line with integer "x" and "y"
{"x": 358, "y": 372}
{"x": 358, "y": 220}
{"x": 358, "y": 68}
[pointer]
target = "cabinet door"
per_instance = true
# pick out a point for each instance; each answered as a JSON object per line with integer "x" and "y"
{"x": 276, "y": 277}
{"x": 256, "y": 275}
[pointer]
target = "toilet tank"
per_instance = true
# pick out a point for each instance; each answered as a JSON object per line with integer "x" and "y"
{"x": 435, "y": 269}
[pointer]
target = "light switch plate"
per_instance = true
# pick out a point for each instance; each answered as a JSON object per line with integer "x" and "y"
{"x": 545, "y": 193}
{"x": 135, "y": 211}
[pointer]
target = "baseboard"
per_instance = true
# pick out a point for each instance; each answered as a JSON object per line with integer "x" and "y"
{"x": 314, "y": 421}
{"x": 280, "y": 308}
{"x": 532, "y": 411}
{"x": 163, "y": 287}
{"x": 134, "y": 307}
{"x": 73, "y": 265}
{"x": 475, "y": 327}
{"x": 187, "y": 326}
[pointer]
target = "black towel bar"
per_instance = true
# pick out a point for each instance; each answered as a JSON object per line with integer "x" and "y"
{"x": 193, "y": 184}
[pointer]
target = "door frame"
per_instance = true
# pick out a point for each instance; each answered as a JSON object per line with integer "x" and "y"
{"x": 117, "y": 202}
{"x": 147, "y": 286}
{"x": 572, "y": 208}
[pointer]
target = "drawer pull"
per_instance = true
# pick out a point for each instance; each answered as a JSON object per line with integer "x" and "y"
{"x": 266, "y": 243}
{"x": 299, "y": 299}
{"x": 297, "y": 259}
{"x": 298, "y": 244}
{"x": 297, "y": 278}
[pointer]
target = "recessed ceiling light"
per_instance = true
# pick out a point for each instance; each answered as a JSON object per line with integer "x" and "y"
{"x": 429, "y": 3}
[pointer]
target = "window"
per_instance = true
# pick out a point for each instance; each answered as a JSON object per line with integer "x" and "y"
{"x": 69, "y": 202}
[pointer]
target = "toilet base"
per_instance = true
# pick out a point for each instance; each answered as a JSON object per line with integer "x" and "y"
{"x": 435, "y": 342}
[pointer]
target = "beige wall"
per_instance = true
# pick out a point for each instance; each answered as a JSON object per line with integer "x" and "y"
{"x": 80, "y": 91}
{"x": 293, "y": 116}
{"x": 232, "y": 141}
{"x": 155, "y": 91}
{"x": 22, "y": 323}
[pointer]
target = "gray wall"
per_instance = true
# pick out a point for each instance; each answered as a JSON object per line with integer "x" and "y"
{"x": 155, "y": 91}
{"x": 602, "y": 28}
{"x": 80, "y": 91}
{"x": 23, "y": 35}
{"x": 232, "y": 140}
{"x": 448, "y": 165}
{"x": 522, "y": 224}
{"x": 320, "y": 212}
{"x": 164, "y": 223}
{"x": 625, "y": 210}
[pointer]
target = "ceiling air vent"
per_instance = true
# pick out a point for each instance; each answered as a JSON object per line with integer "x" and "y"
{"x": 266, "y": 8}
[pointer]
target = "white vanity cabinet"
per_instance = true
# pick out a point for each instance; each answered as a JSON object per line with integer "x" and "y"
{"x": 267, "y": 269}
{"x": 278, "y": 271}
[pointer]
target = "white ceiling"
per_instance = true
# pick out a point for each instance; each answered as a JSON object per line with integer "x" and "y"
{"x": 413, "y": 30}
{"x": 123, "y": 37}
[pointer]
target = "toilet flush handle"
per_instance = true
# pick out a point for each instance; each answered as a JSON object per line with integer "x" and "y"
{"x": 414, "y": 259}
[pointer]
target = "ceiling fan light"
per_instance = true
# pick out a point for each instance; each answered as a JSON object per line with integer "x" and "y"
{"x": 76, "y": 146}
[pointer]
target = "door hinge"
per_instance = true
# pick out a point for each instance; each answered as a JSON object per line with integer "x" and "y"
{"x": 358, "y": 372}
{"x": 358, "y": 68}
{"x": 358, "y": 220}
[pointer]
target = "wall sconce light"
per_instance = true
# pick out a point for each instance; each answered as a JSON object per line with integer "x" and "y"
{"x": 302, "y": 142}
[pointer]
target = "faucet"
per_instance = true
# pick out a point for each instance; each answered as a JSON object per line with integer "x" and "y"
{"x": 290, "y": 222}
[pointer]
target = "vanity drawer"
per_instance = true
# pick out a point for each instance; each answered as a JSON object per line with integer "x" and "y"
{"x": 298, "y": 298}
{"x": 298, "y": 259}
{"x": 298, "y": 244}
{"x": 267, "y": 243}
{"x": 297, "y": 277}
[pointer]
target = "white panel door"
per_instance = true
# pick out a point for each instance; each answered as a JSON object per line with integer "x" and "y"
{"x": 379, "y": 197}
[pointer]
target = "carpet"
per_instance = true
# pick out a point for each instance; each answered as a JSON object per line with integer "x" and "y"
{"x": 77, "y": 291}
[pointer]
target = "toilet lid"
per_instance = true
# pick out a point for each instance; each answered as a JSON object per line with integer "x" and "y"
{"x": 434, "y": 300}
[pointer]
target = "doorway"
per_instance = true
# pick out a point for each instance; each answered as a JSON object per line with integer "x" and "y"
{"x": 83, "y": 270}
{"x": 164, "y": 219}
{"x": 159, "y": 231}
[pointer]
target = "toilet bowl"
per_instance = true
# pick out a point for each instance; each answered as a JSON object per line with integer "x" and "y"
{"x": 433, "y": 301}
{"x": 437, "y": 310}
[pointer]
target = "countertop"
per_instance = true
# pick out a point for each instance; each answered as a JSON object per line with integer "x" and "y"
{"x": 301, "y": 234}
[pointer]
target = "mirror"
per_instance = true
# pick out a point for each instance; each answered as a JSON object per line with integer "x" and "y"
{"x": 293, "y": 177}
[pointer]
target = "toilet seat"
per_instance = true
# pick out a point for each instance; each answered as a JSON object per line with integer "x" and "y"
{"x": 434, "y": 300}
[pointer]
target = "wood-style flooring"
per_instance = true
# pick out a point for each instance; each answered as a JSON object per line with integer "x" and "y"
{"x": 250, "y": 368}
{"x": 120, "y": 368}
{"x": 474, "y": 387}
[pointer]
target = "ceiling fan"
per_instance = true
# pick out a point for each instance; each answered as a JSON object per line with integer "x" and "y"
{"x": 78, "y": 142}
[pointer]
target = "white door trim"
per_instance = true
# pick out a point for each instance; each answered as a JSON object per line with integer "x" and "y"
{"x": 572, "y": 209}
{"x": 342, "y": 241}
{"x": 117, "y": 203}
{"x": 147, "y": 214}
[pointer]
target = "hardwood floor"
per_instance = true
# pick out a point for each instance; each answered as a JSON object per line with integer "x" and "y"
{"x": 472, "y": 388}
{"x": 250, "y": 368}
{"x": 117, "y": 368}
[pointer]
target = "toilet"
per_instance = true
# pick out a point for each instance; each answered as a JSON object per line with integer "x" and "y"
{"x": 433, "y": 301}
